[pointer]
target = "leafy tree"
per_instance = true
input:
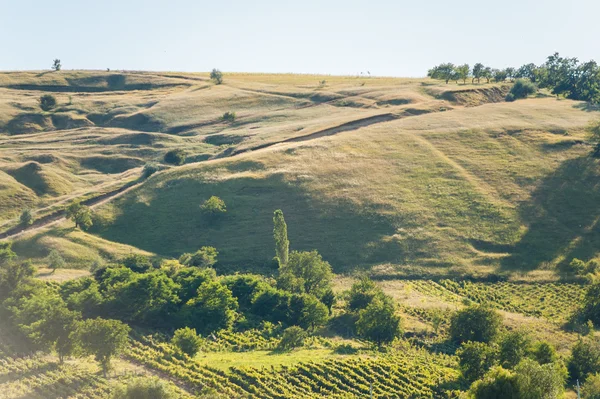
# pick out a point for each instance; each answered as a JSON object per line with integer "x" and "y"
{"x": 362, "y": 293}
{"x": 214, "y": 207}
{"x": 109, "y": 277}
{"x": 104, "y": 339}
{"x": 537, "y": 381}
{"x": 544, "y": 353}
{"x": 594, "y": 133}
{"x": 514, "y": 346}
{"x": 175, "y": 157}
{"x": 216, "y": 76}
{"x": 487, "y": 74}
{"x": 293, "y": 337}
{"x": 282, "y": 244}
{"x": 149, "y": 169}
{"x": 86, "y": 299}
{"x": 149, "y": 298}
{"x": 475, "y": 323}
{"x": 187, "y": 340}
{"x": 47, "y": 102}
{"x": 591, "y": 303}
{"x": 498, "y": 383}
{"x": 307, "y": 311}
{"x": 591, "y": 388}
{"x": 305, "y": 272}
{"x": 26, "y": 218}
{"x": 212, "y": 309}
{"x": 144, "y": 388}
{"x": 328, "y": 299}
{"x": 559, "y": 76}
{"x": 189, "y": 279}
{"x": 462, "y": 72}
{"x": 378, "y": 322}
{"x": 576, "y": 266}
{"x": 204, "y": 257}
{"x": 81, "y": 215}
{"x": 137, "y": 263}
{"x": 244, "y": 287}
{"x": 6, "y": 252}
{"x": 510, "y": 73}
{"x": 13, "y": 274}
{"x": 585, "y": 359}
{"x": 272, "y": 304}
{"x": 56, "y": 65}
{"x": 478, "y": 70}
{"x": 55, "y": 260}
{"x": 521, "y": 89}
{"x": 445, "y": 72}
{"x": 527, "y": 71}
{"x": 475, "y": 359}
{"x": 500, "y": 75}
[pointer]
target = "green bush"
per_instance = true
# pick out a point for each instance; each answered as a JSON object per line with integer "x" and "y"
{"x": 144, "y": 388}
{"x": 475, "y": 323}
{"x": 175, "y": 157}
{"x": 510, "y": 97}
{"x": 214, "y": 207}
{"x": 47, "y": 102}
{"x": 187, "y": 341}
{"x": 228, "y": 116}
{"x": 378, "y": 322}
{"x": 149, "y": 169}
{"x": 475, "y": 359}
{"x": 522, "y": 88}
{"x": 204, "y": 257}
{"x": 585, "y": 359}
{"x": 26, "y": 218}
{"x": 591, "y": 388}
{"x": 137, "y": 263}
{"x": 216, "y": 76}
{"x": 293, "y": 337}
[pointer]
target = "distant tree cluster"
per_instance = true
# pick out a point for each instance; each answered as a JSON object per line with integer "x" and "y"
{"x": 562, "y": 76}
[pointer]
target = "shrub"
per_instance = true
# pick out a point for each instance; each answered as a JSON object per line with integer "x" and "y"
{"x": 187, "y": 341}
{"x": 585, "y": 359}
{"x": 293, "y": 337}
{"x": 576, "y": 266}
{"x": 204, "y": 257}
{"x": 591, "y": 388}
{"x": 149, "y": 169}
{"x": 214, "y": 207}
{"x": 305, "y": 272}
{"x": 175, "y": 157}
{"x": 81, "y": 215}
{"x": 212, "y": 309}
{"x": 475, "y": 359}
{"x": 216, "y": 76}
{"x": 362, "y": 294}
{"x": 537, "y": 381}
{"x": 55, "y": 261}
{"x": 47, "y": 102}
{"x": 137, "y": 263}
{"x": 522, "y": 88}
{"x": 475, "y": 323}
{"x": 514, "y": 346}
{"x": 228, "y": 117}
{"x": 26, "y": 218}
{"x": 510, "y": 97}
{"x": 56, "y": 65}
{"x": 497, "y": 383}
{"x": 378, "y": 322}
{"x": 543, "y": 353}
{"x": 144, "y": 388}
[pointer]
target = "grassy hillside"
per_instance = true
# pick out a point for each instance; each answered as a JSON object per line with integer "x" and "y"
{"x": 406, "y": 176}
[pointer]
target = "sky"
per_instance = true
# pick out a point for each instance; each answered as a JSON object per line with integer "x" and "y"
{"x": 386, "y": 38}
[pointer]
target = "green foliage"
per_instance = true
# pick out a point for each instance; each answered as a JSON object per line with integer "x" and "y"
{"x": 213, "y": 207}
{"x": 500, "y": 75}
{"x": 478, "y": 70}
{"x": 55, "y": 260}
{"x": 475, "y": 323}
{"x": 445, "y": 72}
{"x": 6, "y": 252}
{"x": 13, "y": 274}
{"x": 514, "y": 346}
{"x": 591, "y": 388}
{"x": 591, "y": 303}
{"x": 544, "y": 353}
{"x": 328, "y": 299}
{"x": 187, "y": 340}
{"x": 101, "y": 338}
{"x": 282, "y": 244}
{"x": 462, "y": 72}
{"x": 305, "y": 272}
{"x": 137, "y": 263}
{"x": 510, "y": 97}
{"x": 537, "y": 381}
{"x": 378, "y": 322}
{"x": 362, "y": 294}
{"x": 56, "y": 65}
{"x": 189, "y": 279}
{"x": 144, "y": 388}
{"x": 475, "y": 359}
{"x": 307, "y": 311}
{"x": 212, "y": 309}
{"x": 585, "y": 359}
{"x": 47, "y": 102}
{"x": 204, "y": 257}
{"x": 229, "y": 116}
{"x": 26, "y": 218}
{"x": 175, "y": 157}
{"x": 522, "y": 88}
{"x": 149, "y": 169}
{"x": 498, "y": 383}
{"x": 576, "y": 266}
{"x": 292, "y": 337}
{"x": 594, "y": 133}
{"x": 216, "y": 76}
{"x": 244, "y": 288}
{"x": 81, "y": 215}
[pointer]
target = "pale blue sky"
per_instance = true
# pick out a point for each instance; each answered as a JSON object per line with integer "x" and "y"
{"x": 395, "y": 38}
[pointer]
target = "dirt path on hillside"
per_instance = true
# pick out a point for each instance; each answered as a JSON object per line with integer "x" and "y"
{"x": 59, "y": 216}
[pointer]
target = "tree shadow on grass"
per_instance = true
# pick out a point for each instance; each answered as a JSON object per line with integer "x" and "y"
{"x": 167, "y": 219}
{"x": 562, "y": 217}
